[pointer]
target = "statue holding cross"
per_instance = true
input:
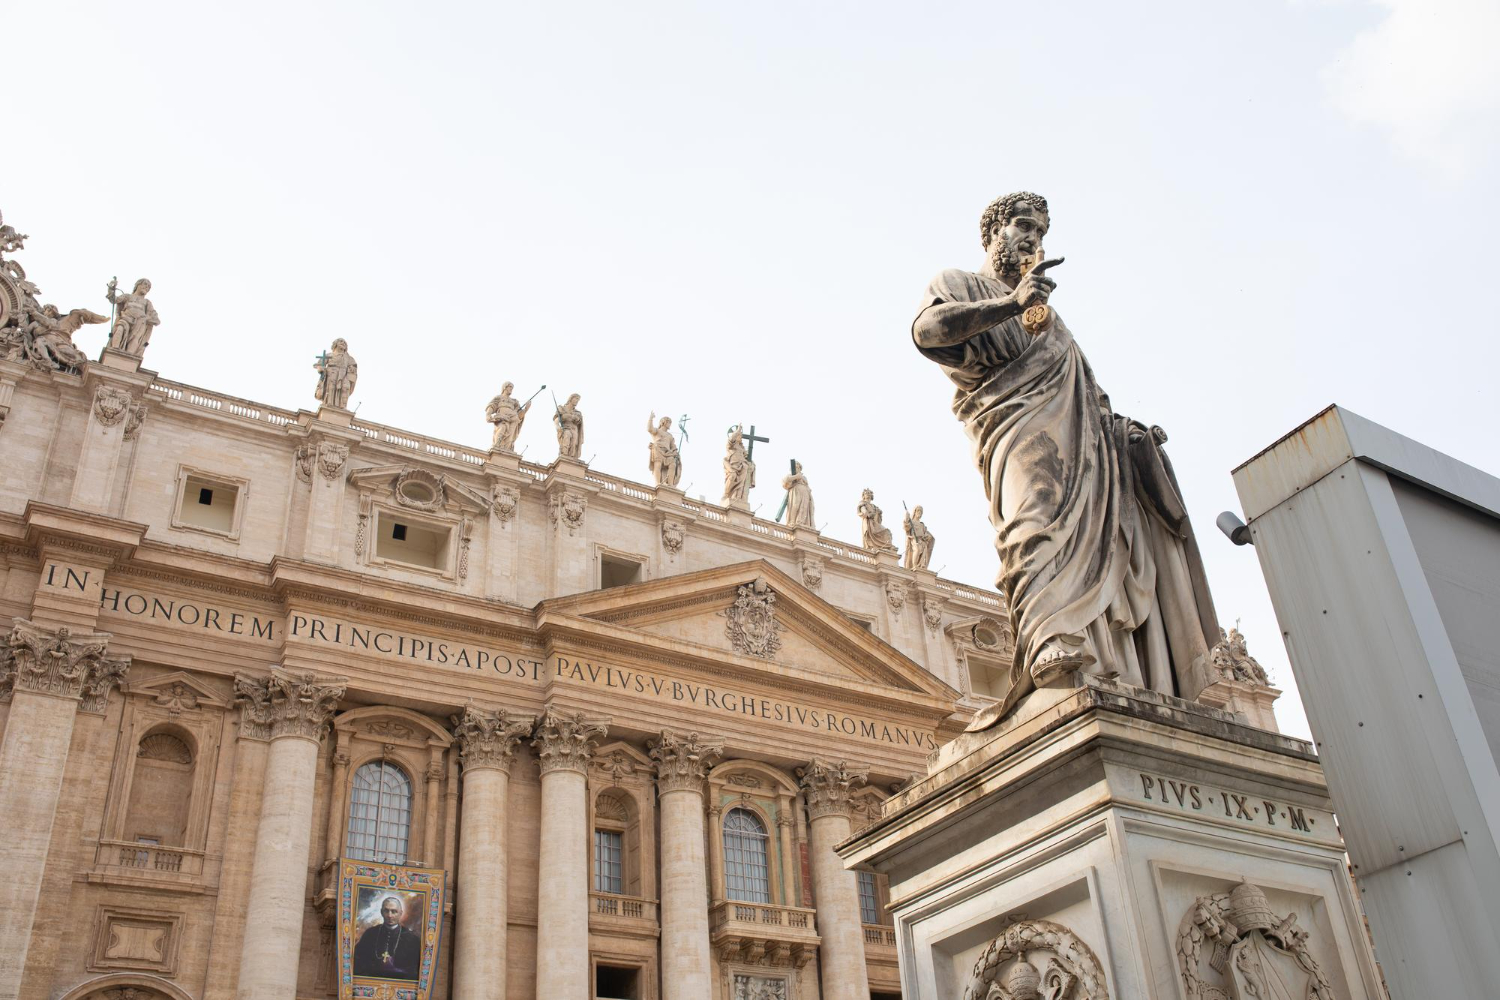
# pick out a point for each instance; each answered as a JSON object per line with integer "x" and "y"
{"x": 337, "y": 373}
{"x": 739, "y": 470}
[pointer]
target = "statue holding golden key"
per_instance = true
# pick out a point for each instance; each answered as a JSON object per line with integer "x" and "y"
{"x": 1097, "y": 557}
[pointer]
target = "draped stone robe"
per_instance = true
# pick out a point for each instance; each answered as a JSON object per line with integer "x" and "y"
{"x": 1094, "y": 541}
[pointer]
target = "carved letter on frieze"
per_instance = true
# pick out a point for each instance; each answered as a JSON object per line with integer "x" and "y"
{"x": 682, "y": 761}
{"x": 827, "y": 786}
{"x": 1037, "y": 960}
{"x": 111, "y": 403}
{"x": 287, "y": 703}
{"x": 1250, "y": 950}
{"x": 565, "y": 740}
{"x": 751, "y": 620}
{"x": 60, "y": 662}
{"x": 489, "y": 739}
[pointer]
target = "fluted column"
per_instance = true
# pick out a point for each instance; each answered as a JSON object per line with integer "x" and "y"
{"x": 292, "y": 709}
{"x": 681, "y": 764}
{"x": 564, "y": 743}
{"x": 487, "y": 745}
{"x": 826, "y": 786}
{"x": 47, "y": 675}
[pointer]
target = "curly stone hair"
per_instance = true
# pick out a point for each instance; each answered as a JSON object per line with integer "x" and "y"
{"x": 1001, "y": 209}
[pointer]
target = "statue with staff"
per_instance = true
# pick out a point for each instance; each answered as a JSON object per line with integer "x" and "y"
{"x": 507, "y": 414}
{"x": 798, "y": 503}
{"x": 919, "y": 540}
{"x": 134, "y": 317}
{"x": 739, "y": 470}
{"x": 664, "y": 458}
{"x": 1097, "y": 557}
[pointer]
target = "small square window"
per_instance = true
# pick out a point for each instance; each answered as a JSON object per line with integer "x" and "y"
{"x": 616, "y": 571}
{"x": 207, "y": 504}
{"x": 398, "y": 532}
{"x": 412, "y": 542}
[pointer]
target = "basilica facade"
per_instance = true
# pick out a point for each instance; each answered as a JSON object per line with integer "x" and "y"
{"x": 612, "y": 733}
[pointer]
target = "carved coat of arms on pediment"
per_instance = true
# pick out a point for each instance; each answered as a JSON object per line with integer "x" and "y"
{"x": 751, "y": 620}
{"x": 1252, "y": 953}
{"x": 110, "y": 404}
{"x": 1037, "y": 960}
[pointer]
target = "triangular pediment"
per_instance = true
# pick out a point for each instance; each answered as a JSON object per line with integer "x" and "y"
{"x": 722, "y": 613}
{"x": 179, "y": 690}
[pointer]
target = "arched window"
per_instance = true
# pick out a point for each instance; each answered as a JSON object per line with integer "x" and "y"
{"x": 380, "y": 813}
{"x": 747, "y": 876}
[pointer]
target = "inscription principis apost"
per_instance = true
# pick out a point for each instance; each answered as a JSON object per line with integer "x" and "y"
{"x": 1248, "y": 808}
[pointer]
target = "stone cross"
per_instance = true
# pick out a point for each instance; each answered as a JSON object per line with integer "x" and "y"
{"x": 750, "y": 439}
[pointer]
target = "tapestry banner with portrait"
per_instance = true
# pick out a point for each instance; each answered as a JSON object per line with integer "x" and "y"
{"x": 389, "y": 919}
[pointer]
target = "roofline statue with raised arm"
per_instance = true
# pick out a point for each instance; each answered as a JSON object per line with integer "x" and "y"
{"x": 1097, "y": 557}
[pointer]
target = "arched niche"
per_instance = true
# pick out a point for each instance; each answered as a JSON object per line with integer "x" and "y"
{"x": 127, "y": 986}
{"x": 622, "y": 799}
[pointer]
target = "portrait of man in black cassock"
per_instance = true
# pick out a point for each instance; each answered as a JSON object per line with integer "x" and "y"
{"x": 389, "y": 950}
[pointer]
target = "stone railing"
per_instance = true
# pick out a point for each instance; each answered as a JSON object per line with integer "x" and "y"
{"x": 128, "y": 857}
{"x": 607, "y": 904}
{"x": 421, "y": 444}
{"x": 762, "y": 914}
{"x": 880, "y": 934}
{"x": 243, "y": 408}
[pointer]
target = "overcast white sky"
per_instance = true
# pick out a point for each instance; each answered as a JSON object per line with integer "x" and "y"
{"x": 730, "y": 211}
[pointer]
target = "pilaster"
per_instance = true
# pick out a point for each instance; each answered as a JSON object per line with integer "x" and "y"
{"x": 322, "y": 464}
{"x": 48, "y": 675}
{"x": 112, "y": 392}
{"x": 507, "y": 486}
{"x": 568, "y": 495}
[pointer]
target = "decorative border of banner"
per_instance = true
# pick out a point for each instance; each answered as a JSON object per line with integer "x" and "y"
{"x": 352, "y": 876}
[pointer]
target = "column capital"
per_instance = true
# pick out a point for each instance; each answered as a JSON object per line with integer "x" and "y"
{"x": 489, "y": 739}
{"x": 682, "y": 761}
{"x": 59, "y": 662}
{"x": 827, "y": 785}
{"x": 287, "y": 703}
{"x": 565, "y": 740}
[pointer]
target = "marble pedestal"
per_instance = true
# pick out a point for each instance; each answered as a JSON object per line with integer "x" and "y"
{"x": 1096, "y": 836}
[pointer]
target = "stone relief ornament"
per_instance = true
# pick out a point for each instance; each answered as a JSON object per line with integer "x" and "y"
{"x": 135, "y": 420}
{"x": 932, "y": 614}
{"x": 331, "y": 458}
{"x": 566, "y": 740}
{"x": 489, "y": 738}
{"x": 1007, "y": 968}
{"x": 177, "y": 698}
{"x": 895, "y": 595}
{"x": 465, "y": 540}
{"x": 682, "y": 760}
{"x": 59, "y": 661}
{"x": 287, "y": 703}
{"x": 812, "y": 574}
{"x": 747, "y": 987}
{"x": 337, "y": 374}
{"x": 504, "y": 500}
{"x": 1254, "y": 953}
{"x": 419, "y": 489}
{"x": 751, "y": 620}
{"x": 567, "y": 510}
{"x": 673, "y": 534}
{"x": 304, "y": 462}
{"x": 874, "y": 535}
{"x": 111, "y": 403}
{"x": 1233, "y": 662}
{"x": 828, "y": 785}
{"x": 135, "y": 317}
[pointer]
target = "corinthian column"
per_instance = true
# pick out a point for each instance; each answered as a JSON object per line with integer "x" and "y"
{"x": 681, "y": 763}
{"x": 826, "y": 787}
{"x": 564, "y": 743}
{"x": 487, "y": 745}
{"x": 47, "y": 676}
{"x": 292, "y": 710}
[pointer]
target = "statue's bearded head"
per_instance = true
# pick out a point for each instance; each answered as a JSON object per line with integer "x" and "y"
{"x": 1011, "y": 229}
{"x": 340, "y": 346}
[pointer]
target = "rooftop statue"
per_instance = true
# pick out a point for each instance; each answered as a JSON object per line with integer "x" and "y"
{"x": 1097, "y": 556}
{"x": 569, "y": 423}
{"x": 337, "y": 374}
{"x": 507, "y": 414}
{"x": 135, "y": 317}
{"x": 29, "y": 331}
{"x": 799, "y": 498}
{"x": 874, "y": 535}
{"x": 739, "y": 470}
{"x": 664, "y": 459}
{"x": 919, "y": 541}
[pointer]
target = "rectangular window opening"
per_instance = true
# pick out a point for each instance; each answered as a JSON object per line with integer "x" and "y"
{"x": 207, "y": 504}
{"x": 412, "y": 543}
{"x": 615, "y": 982}
{"x": 991, "y": 679}
{"x": 615, "y": 571}
{"x": 869, "y": 903}
{"x": 609, "y": 862}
